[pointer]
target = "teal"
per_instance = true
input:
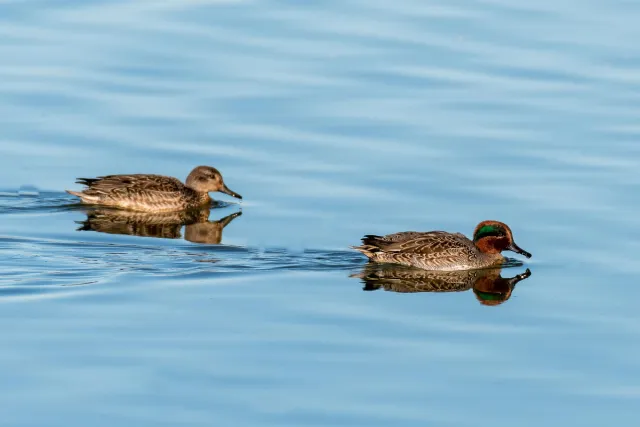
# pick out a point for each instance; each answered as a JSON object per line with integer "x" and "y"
{"x": 153, "y": 193}
{"x": 440, "y": 250}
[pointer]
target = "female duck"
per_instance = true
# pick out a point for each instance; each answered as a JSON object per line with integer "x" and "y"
{"x": 153, "y": 193}
{"x": 439, "y": 250}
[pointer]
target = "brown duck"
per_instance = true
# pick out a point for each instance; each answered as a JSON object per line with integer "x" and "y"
{"x": 153, "y": 193}
{"x": 439, "y": 250}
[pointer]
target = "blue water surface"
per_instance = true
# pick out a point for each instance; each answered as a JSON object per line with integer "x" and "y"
{"x": 333, "y": 119}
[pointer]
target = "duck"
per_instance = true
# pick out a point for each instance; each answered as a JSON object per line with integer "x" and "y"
{"x": 441, "y": 250}
{"x": 153, "y": 193}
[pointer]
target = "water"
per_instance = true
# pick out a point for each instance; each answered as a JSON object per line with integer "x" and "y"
{"x": 333, "y": 119}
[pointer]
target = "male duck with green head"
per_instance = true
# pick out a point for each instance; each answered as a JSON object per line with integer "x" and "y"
{"x": 439, "y": 250}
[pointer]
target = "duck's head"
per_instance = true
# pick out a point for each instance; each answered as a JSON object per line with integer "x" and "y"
{"x": 493, "y": 237}
{"x": 205, "y": 179}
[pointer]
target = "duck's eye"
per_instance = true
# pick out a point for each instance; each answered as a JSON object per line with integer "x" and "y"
{"x": 202, "y": 178}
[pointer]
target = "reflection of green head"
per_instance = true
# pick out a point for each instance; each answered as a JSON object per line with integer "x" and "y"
{"x": 489, "y": 296}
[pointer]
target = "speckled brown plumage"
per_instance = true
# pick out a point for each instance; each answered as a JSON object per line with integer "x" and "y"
{"x": 153, "y": 193}
{"x": 440, "y": 250}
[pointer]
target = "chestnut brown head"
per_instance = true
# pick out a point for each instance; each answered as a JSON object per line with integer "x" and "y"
{"x": 205, "y": 179}
{"x": 493, "y": 237}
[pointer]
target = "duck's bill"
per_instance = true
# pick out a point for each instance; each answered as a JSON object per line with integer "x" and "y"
{"x": 226, "y": 190}
{"x": 517, "y": 249}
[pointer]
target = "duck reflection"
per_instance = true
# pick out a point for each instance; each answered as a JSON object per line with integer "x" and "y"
{"x": 167, "y": 225}
{"x": 488, "y": 285}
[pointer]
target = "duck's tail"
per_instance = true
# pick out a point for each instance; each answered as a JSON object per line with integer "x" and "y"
{"x": 369, "y": 248}
{"x": 83, "y": 196}
{"x": 87, "y": 181}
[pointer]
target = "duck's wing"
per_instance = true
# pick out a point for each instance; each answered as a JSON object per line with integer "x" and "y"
{"x": 396, "y": 237}
{"x": 432, "y": 243}
{"x": 109, "y": 184}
